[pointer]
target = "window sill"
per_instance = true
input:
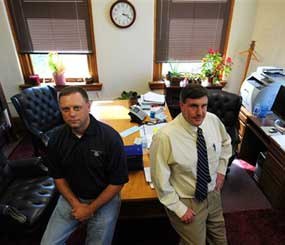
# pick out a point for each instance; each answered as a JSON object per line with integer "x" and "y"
{"x": 87, "y": 87}
{"x": 156, "y": 85}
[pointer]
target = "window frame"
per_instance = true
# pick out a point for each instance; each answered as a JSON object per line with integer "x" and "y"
{"x": 157, "y": 67}
{"x": 26, "y": 62}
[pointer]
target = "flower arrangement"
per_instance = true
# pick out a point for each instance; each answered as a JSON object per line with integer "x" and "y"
{"x": 55, "y": 63}
{"x": 57, "y": 67}
{"x": 215, "y": 66}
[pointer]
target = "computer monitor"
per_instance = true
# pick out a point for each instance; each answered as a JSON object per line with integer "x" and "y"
{"x": 278, "y": 108}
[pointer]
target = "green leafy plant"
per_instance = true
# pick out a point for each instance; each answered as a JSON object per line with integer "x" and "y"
{"x": 174, "y": 74}
{"x": 215, "y": 66}
{"x": 127, "y": 95}
{"x": 55, "y": 63}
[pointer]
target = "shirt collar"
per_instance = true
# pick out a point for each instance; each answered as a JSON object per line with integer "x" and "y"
{"x": 91, "y": 129}
{"x": 188, "y": 126}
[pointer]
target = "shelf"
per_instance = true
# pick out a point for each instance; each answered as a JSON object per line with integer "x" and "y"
{"x": 88, "y": 87}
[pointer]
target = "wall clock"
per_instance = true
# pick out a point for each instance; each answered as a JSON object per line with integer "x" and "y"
{"x": 123, "y": 14}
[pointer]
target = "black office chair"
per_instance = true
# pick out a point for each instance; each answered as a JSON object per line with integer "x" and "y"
{"x": 226, "y": 106}
{"x": 38, "y": 108}
{"x": 27, "y": 194}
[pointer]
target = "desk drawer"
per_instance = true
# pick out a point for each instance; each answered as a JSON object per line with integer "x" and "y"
{"x": 275, "y": 169}
{"x": 242, "y": 117}
{"x": 274, "y": 191}
{"x": 241, "y": 128}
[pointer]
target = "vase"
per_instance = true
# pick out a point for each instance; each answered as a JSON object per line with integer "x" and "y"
{"x": 211, "y": 80}
{"x": 59, "y": 78}
{"x": 214, "y": 80}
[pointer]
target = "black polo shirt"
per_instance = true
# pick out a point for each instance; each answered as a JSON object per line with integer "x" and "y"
{"x": 89, "y": 163}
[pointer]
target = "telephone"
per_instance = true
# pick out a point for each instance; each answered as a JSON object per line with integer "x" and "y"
{"x": 137, "y": 114}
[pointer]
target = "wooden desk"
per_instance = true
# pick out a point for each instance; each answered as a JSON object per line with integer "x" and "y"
{"x": 272, "y": 177}
{"x": 115, "y": 113}
{"x": 138, "y": 199}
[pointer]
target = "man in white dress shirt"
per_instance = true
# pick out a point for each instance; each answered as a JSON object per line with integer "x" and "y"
{"x": 174, "y": 158}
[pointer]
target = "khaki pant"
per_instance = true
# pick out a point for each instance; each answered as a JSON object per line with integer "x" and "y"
{"x": 208, "y": 224}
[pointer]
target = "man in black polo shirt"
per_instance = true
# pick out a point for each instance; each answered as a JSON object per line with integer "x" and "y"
{"x": 86, "y": 159}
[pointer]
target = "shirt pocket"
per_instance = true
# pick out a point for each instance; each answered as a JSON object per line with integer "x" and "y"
{"x": 213, "y": 150}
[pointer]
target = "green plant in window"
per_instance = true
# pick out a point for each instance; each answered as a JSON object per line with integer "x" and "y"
{"x": 174, "y": 75}
{"x": 55, "y": 63}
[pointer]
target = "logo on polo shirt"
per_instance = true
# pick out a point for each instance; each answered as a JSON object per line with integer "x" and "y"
{"x": 96, "y": 153}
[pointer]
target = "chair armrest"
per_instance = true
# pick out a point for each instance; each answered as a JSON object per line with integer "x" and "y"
{"x": 12, "y": 213}
{"x": 44, "y": 138}
{"x": 27, "y": 167}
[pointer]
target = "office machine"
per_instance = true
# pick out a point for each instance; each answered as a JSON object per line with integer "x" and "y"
{"x": 261, "y": 87}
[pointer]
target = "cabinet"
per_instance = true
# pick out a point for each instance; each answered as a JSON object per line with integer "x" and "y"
{"x": 243, "y": 115}
{"x": 272, "y": 176}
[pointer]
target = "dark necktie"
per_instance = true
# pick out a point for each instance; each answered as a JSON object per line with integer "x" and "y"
{"x": 203, "y": 175}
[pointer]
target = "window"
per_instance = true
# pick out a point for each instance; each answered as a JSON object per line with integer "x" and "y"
{"x": 186, "y": 29}
{"x": 65, "y": 26}
{"x": 181, "y": 67}
{"x": 76, "y": 65}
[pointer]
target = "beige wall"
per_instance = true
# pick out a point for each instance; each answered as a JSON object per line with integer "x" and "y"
{"x": 240, "y": 38}
{"x": 125, "y": 56}
{"x": 10, "y": 73}
{"x": 269, "y": 33}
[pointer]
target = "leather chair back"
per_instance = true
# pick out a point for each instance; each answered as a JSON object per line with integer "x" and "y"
{"x": 4, "y": 181}
{"x": 226, "y": 106}
{"x": 38, "y": 108}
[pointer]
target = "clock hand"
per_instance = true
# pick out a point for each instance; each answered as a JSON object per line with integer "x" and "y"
{"x": 126, "y": 15}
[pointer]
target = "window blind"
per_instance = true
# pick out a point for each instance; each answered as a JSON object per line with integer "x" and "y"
{"x": 48, "y": 25}
{"x": 186, "y": 29}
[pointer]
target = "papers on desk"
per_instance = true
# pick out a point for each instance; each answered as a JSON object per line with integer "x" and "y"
{"x": 270, "y": 131}
{"x": 147, "y": 131}
{"x": 280, "y": 139}
{"x": 129, "y": 131}
{"x": 148, "y": 177}
{"x": 151, "y": 98}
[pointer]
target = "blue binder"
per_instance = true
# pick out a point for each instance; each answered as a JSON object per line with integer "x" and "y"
{"x": 134, "y": 154}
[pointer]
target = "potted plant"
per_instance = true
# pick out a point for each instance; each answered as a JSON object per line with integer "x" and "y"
{"x": 173, "y": 76}
{"x": 215, "y": 66}
{"x": 194, "y": 78}
{"x": 56, "y": 66}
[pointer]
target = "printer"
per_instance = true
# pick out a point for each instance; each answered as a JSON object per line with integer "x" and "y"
{"x": 261, "y": 87}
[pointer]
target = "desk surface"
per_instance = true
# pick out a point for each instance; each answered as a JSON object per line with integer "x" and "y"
{"x": 115, "y": 113}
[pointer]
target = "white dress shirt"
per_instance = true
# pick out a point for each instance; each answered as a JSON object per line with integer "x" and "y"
{"x": 173, "y": 156}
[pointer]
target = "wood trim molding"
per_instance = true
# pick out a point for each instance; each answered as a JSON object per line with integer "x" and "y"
{"x": 25, "y": 60}
{"x": 156, "y": 85}
{"x": 92, "y": 60}
{"x": 87, "y": 87}
{"x": 157, "y": 67}
{"x": 232, "y": 3}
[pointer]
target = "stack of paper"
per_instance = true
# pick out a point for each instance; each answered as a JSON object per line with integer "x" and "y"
{"x": 152, "y": 98}
{"x": 148, "y": 177}
{"x": 147, "y": 131}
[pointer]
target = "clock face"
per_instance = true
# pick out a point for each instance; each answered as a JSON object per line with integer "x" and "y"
{"x": 123, "y": 14}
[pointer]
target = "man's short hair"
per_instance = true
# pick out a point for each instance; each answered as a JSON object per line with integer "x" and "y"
{"x": 192, "y": 91}
{"x": 72, "y": 90}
